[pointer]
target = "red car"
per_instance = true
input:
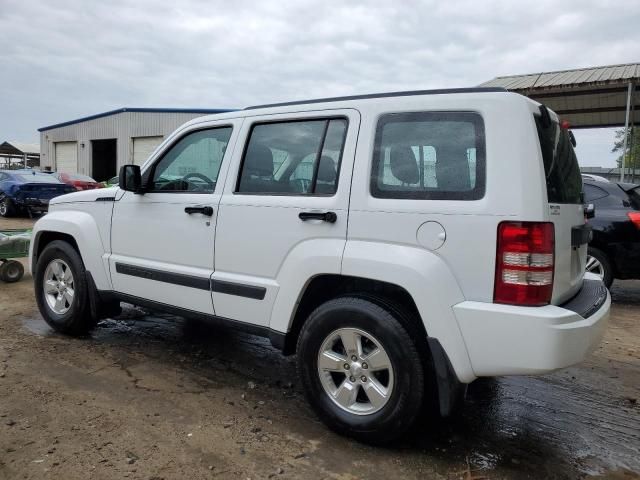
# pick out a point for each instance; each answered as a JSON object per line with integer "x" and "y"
{"x": 77, "y": 180}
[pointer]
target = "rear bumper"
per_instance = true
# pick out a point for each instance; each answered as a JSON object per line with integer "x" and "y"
{"x": 32, "y": 203}
{"x": 511, "y": 340}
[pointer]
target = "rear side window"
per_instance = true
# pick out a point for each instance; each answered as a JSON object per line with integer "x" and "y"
{"x": 564, "y": 182}
{"x": 293, "y": 158}
{"x": 591, "y": 193}
{"x": 429, "y": 155}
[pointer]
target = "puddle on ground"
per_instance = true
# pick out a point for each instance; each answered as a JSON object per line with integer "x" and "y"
{"x": 37, "y": 326}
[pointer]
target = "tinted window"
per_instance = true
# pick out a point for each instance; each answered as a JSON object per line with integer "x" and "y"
{"x": 429, "y": 155}
{"x": 564, "y": 182}
{"x": 293, "y": 158}
{"x": 193, "y": 163}
{"x": 591, "y": 193}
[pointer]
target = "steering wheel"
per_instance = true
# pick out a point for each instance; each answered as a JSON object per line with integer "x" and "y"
{"x": 199, "y": 176}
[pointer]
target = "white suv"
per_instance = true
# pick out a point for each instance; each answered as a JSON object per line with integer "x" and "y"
{"x": 401, "y": 245}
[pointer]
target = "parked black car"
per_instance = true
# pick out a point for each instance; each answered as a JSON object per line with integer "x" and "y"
{"x": 614, "y": 251}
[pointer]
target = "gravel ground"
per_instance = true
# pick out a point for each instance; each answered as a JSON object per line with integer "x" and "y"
{"x": 158, "y": 397}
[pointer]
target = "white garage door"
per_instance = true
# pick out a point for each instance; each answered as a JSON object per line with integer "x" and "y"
{"x": 143, "y": 147}
{"x": 67, "y": 157}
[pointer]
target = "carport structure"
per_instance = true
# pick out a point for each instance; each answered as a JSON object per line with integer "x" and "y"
{"x": 595, "y": 97}
{"x": 12, "y": 154}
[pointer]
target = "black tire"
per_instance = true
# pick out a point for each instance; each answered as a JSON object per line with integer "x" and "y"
{"x": 405, "y": 402}
{"x": 607, "y": 266}
{"x": 11, "y": 271}
{"x": 7, "y": 208}
{"x": 78, "y": 319}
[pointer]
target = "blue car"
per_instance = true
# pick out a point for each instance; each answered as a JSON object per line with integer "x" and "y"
{"x": 28, "y": 191}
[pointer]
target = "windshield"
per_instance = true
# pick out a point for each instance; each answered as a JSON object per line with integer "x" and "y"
{"x": 36, "y": 178}
{"x": 564, "y": 182}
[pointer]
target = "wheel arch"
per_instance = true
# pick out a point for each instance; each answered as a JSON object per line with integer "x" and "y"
{"x": 80, "y": 230}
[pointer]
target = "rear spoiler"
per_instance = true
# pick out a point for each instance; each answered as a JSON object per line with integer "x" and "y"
{"x": 627, "y": 187}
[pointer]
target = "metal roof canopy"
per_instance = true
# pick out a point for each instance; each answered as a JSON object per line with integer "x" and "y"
{"x": 19, "y": 149}
{"x": 587, "y": 98}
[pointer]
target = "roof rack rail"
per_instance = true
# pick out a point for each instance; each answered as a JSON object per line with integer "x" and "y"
{"x": 384, "y": 95}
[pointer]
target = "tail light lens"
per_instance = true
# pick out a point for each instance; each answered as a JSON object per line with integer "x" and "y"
{"x": 524, "y": 263}
{"x": 635, "y": 218}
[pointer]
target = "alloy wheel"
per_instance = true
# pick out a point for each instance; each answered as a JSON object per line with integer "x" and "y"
{"x": 355, "y": 371}
{"x": 58, "y": 286}
{"x": 595, "y": 266}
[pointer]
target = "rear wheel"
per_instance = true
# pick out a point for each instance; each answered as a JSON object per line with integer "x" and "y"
{"x": 61, "y": 289}
{"x": 598, "y": 262}
{"x": 7, "y": 209}
{"x": 361, "y": 370}
{"x": 11, "y": 271}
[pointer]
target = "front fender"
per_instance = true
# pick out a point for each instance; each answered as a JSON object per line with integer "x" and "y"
{"x": 84, "y": 230}
{"x": 430, "y": 283}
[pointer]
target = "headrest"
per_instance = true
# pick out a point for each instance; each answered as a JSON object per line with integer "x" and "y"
{"x": 327, "y": 170}
{"x": 452, "y": 169}
{"x": 258, "y": 160}
{"x": 403, "y": 164}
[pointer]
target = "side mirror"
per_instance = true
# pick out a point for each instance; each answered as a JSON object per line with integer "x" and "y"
{"x": 589, "y": 211}
{"x": 130, "y": 178}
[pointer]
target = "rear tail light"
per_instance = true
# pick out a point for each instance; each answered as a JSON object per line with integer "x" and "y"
{"x": 635, "y": 218}
{"x": 524, "y": 263}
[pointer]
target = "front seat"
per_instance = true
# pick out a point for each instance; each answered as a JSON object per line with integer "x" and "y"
{"x": 257, "y": 172}
{"x": 326, "y": 181}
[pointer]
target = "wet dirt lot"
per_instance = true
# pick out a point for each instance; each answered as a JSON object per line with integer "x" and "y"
{"x": 158, "y": 397}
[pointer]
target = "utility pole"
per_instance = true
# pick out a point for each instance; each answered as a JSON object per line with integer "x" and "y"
{"x": 626, "y": 131}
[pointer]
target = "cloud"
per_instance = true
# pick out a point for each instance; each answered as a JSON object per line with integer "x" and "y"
{"x": 70, "y": 58}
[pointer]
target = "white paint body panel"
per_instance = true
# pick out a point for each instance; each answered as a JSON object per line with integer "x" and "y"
{"x": 258, "y": 240}
{"x": 153, "y": 231}
{"x": 507, "y": 340}
{"x": 261, "y": 238}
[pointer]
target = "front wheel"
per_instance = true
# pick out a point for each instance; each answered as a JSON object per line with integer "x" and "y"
{"x": 61, "y": 289}
{"x": 361, "y": 370}
{"x": 599, "y": 263}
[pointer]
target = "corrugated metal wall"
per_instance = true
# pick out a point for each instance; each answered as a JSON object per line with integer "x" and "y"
{"x": 122, "y": 126}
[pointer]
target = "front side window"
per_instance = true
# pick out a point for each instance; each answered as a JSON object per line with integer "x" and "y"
{"x": 429, "y": 155}
{"x": 193, "y": 163}
{"x": 293, "y": 158}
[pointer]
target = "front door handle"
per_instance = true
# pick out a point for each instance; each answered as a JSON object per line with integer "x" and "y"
{"x": 330, "y": 217}
{"x": 204, "y": 210}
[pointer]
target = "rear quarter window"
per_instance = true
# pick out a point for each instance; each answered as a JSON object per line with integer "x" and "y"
{"x": 563, "y": 179}
{"x": 429, "y": 156}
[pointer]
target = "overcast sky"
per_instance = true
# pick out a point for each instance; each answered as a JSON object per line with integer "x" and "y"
{"x": 63, "y": 59}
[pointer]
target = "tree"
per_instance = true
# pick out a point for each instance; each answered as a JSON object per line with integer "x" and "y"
{"x": 632, "y": 158}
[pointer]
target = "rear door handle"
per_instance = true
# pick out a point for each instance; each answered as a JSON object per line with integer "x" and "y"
{"x": 330, "y": 217}
{"x": 203, "y": 209}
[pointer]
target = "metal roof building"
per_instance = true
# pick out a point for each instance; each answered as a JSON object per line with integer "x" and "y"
{"x": 99, "y": 144}
{"x": 19, "y": 154}
{"x": 587, "y": 97}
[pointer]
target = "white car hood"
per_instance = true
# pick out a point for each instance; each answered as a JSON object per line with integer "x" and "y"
{"x": 85, "y": 196}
